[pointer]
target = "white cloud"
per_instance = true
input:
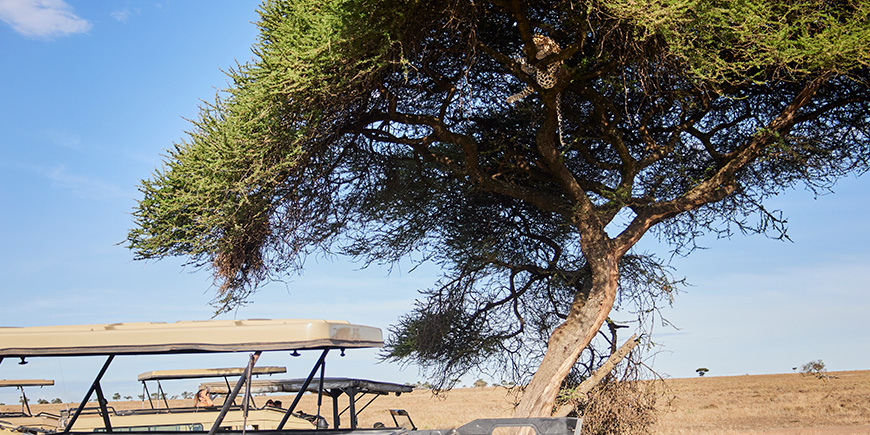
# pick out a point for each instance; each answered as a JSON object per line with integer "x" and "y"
{"x": 42, "y": 18}
{"x": 121, "y": 15}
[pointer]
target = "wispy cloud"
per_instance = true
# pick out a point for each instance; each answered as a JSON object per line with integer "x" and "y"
{"x": 65, "y": 139}
{"x": 121, "y": 15}
{"x": 42, "y": 18}
{"x": 82, "y": 186}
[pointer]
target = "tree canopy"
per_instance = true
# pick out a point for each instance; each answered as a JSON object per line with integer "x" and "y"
{"x": 381, "y": 130}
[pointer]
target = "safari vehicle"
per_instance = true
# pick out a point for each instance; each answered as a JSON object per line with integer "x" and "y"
{"x": 225, "y": 373}
{"x": 356, "y": 391}
{"x": 225, "y": 336}
{"x": 12, "y": 420}
{"x": 192, "y": 418}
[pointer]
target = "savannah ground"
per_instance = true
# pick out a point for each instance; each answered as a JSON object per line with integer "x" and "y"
{"x": 758, "y": 404}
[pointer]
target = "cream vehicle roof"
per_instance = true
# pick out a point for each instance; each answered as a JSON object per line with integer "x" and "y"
{"x": 186, "y": 337}
{"x": 25, "y": 382}
{"x": 364, "y": 386}
{"x": 160, "y": 375}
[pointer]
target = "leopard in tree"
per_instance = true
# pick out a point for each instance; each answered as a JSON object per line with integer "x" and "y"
{"x": 546, "y": 78}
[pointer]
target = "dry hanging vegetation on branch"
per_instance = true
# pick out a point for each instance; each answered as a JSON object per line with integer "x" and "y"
{"x": 382, "y": 130}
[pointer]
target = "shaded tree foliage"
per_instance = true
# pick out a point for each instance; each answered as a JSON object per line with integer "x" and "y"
{"x": 379, "y": 129}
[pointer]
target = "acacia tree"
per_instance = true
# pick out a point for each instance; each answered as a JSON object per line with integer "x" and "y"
{"x": 382, "y": 130}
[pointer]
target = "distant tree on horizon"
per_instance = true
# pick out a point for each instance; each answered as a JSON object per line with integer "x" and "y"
{"x": 816, "y": 368}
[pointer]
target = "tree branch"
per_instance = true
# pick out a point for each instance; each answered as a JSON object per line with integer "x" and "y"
{"x": 723, "y": 182}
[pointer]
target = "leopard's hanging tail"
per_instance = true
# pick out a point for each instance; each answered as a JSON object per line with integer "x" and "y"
{"x": 559, "y": 118}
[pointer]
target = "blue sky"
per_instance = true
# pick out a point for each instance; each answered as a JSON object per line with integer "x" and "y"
{"x": 94, "y": 92}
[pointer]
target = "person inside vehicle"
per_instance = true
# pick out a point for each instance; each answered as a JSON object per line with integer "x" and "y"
{"x": 202, "y": 399}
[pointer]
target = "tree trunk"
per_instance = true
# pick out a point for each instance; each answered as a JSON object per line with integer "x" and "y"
{"x": 571, "y": 337}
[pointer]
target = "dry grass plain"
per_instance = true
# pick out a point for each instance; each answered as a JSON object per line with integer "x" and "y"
{"x": 757, "y": 404}
{"x": 785, "y": 403}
